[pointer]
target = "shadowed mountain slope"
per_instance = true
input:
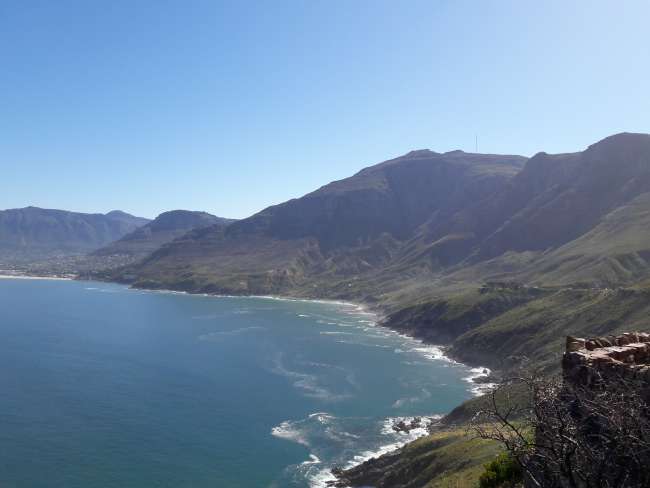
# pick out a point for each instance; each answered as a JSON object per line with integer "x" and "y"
{"x": 427, "y": 223}
{"x": 163, "y": 229}
{"x": 346, "y": 228}
{"x": 36, "y": 232}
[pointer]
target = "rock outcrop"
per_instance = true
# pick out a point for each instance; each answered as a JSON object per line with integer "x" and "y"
{"x": 596, "y": 362}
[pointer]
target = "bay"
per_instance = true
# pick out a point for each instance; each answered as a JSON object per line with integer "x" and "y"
{"x": 103, "y": 386}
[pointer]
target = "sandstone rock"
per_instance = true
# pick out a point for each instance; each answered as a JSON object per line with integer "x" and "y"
{"x": 574, "y": 343}
{"x": 605, "y": 342}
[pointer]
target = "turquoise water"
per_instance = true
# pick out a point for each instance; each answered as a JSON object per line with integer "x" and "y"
{"x": 102, "y": 386}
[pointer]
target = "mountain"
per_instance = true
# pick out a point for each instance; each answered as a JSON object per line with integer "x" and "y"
{"x": 349, "y": 227}
{"x": 163, "y": 229}
{"x": 564, "y": 248}
{"x": 393, "y": 230}
{"x": 568, "y": 218}
{"x": 126, "y": 218}
{"x": 34, "y": 233}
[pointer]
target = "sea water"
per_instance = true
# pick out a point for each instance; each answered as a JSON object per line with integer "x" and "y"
{"x": 104, "y": 386}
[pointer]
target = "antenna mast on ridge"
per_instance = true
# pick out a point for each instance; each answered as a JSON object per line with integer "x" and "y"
{"x": 476, "y": 143}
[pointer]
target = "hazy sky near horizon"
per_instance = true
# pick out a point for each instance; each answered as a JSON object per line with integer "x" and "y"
{"x": 229, "y": 107}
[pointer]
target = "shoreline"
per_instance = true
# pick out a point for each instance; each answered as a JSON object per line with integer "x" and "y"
{"x": 437, "y": 351}
{"x": 434, "y": 352}
{"x": 35, "y": 277}
{"x": 327, "y": 477}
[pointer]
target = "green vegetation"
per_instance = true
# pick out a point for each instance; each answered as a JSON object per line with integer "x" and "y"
{"x": 450, "y": 458}
{"x": 502, "y": 472}
{"x": 506, "y": 327}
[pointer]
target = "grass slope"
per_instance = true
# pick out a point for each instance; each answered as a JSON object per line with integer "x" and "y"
{"x": 450, "y": 458}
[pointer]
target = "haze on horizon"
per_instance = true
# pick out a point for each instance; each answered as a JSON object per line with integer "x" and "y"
{"x": 229, "y": 108}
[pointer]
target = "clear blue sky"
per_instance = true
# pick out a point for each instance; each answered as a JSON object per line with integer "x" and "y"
{"x": 229, "y": 107}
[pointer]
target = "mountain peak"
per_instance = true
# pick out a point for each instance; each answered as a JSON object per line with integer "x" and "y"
{"x": 623, "y": 140}
{"x": 419, "y": 153}
{"x": 163, "y": 229}
{"x": 118, "y": 213}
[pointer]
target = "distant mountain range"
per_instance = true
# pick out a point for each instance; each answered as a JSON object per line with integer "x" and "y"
{"x": 163, "y": 229}
{"x": 46, "y": 241}
{"x": 38, "y": 232}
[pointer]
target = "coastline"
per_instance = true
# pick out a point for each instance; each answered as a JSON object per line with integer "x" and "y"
{"x": 326, "y": 476}
{"x": 330, "y": 476}
{"x": 35, "y": 277}
{"x": 435, "y": 351}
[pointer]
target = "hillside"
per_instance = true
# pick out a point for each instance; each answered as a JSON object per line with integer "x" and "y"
{"x": 505, "y": 326}
{"x": 345, "y": 229}
{"x": 449, "y": 457}
{"x": 388, "y": 233}
{"x": 418, "y": 237}
{"x": 163, "y": 229}
{"x": 35, "y": 233}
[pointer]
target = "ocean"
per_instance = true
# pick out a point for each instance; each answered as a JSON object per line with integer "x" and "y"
{"x": 105, "y": 386}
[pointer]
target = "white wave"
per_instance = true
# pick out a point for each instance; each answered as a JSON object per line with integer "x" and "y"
{"x": 287, "y": 430}
{"x": 323, "y": 477}
{"x": 479, "y": 389}
{"x": 313, "y": 459}
{"x": 354, "y": 343}
{"x": 320, "y": 415}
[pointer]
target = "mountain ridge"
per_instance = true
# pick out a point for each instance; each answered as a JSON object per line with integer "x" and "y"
{"x": 164, "y": 228}
{"x": 393, "y": 228}
{"x": 36, "y": 232}
{"x": 341, "y": 228}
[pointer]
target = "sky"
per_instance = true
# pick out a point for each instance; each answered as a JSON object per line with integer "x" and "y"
{"x": 228, "y": 107}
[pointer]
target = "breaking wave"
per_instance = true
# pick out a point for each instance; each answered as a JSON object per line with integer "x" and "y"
{"x": 345, "y": 442}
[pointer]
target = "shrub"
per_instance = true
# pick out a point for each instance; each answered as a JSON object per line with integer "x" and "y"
{"x": 503, "y": 471}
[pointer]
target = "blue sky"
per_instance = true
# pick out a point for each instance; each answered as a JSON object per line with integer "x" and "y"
{"x": 229, "y": 107}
